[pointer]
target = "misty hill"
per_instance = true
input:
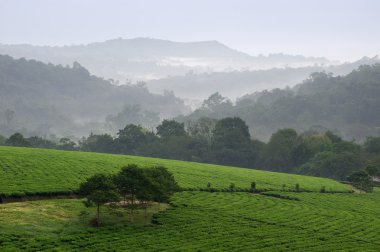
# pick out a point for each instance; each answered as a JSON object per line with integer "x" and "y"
{"x": 346, "y": 104}
{"x": 39, "y": 98}
{"x": 238, "y": 83}
{"x": 146, "y": 58}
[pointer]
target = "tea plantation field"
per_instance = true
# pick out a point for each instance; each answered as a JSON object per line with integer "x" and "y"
{"x": 204, "y": 221}
{"x": 27, "y": 170}
{"x": 196, "y": 221}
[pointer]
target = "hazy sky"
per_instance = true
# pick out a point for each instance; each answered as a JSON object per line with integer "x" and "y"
{"x": 337, "y": 29}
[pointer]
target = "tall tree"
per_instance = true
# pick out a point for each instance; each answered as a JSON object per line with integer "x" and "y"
{"x": 18, "y": 140}
{"x": 170, "y": 128}
{"x": 278, "y": 153}
{"x": 131, "y": 137}
{"x": 99, "y": 189}
{"x": 129, "y": 181}
{"x": 231, "y": 142}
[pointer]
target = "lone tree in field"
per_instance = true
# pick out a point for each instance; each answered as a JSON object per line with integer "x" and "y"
{"x": 129, "y": 181}
{"x": 99, "y": 189}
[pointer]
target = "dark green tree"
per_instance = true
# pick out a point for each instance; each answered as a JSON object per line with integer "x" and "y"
{"x": 162, "y": 183}
{"x": 99, "y": 189}
{"x": 17, "y": 140}
{"x": 131, "y": 137}
{"x": 373, "y": 171}
{"x": 278, "y": 153}
{"x": 39, "y": 142}
{"x": 171, "y": 128}
{"x": 361, "y": 180}
{"x": 66, "y": 143}
{"x": 231, "y": 142}
{"x": 372, "y": 145}
{"x": 129, "y": 181}
{"x": 98, "y": 143}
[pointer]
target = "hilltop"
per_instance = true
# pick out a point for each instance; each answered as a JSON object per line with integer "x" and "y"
{"x": 148, "y": 58}
{"x": 43, "y": 99}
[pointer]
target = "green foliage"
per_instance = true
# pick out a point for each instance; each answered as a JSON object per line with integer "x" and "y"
{"x": 39, "y": 142}
{"x": 66, "y": 144}
{"x": 17, "y": 140}
{"x": 335, "y": 165}
{"x": 361, "y": 180}
{"x": 349, "y": 103}
{"x": 130, "y": 180}
{"x": 161, "y": 184}
{"x": 231, "y": 142}
{"x": 372, "y": 145}
{"x": 338, "y": 162}
{"x": 99, "y": 189}
{"x": 171, "y": 128}
{"x": 253, "y": 186}
{"x": 278, "y": 153}
{"x": 131, "y": 137}
{"x": 202, "y": 128}
{"x": 98, "y": 143}
{"x": 333, "y": 137}
{"x": 373, "y": 170}
{"x": 297, "y": 187}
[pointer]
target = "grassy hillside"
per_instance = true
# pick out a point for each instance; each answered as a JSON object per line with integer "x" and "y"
{"x": 195, "y": 221}
{"x": 202, "y": 221}
{"x": 27, "y": 170}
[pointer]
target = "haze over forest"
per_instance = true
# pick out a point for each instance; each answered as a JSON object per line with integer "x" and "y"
{"x": 54, "y": 86}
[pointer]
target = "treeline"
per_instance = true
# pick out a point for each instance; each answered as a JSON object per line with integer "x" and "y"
{"x": 228, "y": 142}
{"x": 348, "y": 104}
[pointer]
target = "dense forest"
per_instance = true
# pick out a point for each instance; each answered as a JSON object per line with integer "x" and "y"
{"x": 57, "y": 101}
{"x": 46, "y": 99}
{"x": 346, "y": 104}
{"x": 227, "y": 141}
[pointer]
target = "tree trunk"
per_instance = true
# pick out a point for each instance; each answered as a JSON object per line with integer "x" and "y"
{"x": 132, "y": 205}
{"x": 146, "y": 210}
{"x": 98, "y": 214}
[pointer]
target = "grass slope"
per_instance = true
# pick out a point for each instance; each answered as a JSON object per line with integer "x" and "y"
{"x": 28, "y": 170}
{"x": 203, "y": 221}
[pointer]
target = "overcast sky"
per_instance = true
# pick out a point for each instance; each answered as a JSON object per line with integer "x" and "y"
{"x": 336, "y": 29}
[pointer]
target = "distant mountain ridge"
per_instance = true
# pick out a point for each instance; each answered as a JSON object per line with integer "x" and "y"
{"x": 43, "y": 99}
{"x": 239, "y": 83}
{"x": 147, "y": 58}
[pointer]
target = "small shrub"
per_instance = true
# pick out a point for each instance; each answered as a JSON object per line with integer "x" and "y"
{"x": 323, "y": 189}
{"x": 253, "y": 186}
{"x": 232, "y": 187}
{"x": 297, "y": 188}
